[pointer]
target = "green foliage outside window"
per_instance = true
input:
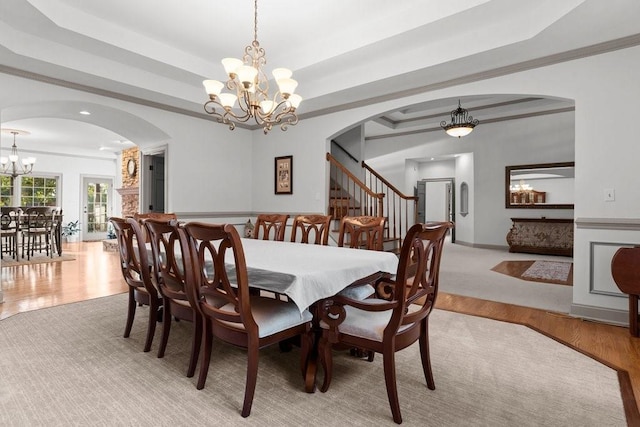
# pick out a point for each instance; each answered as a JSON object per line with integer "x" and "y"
{"x": 6, "y": 190}
{"x": 38, "y": 191}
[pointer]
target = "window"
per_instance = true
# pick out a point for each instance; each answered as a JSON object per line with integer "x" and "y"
{"x": 6, "y": 190}
{"x": 39, "y": 191}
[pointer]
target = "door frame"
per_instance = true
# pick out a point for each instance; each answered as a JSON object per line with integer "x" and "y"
{"x": 452, "y": 197}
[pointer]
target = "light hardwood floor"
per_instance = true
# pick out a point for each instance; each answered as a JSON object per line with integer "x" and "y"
{"x": 96, "y": 273}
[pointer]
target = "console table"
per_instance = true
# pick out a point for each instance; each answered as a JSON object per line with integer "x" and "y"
{"x": 551, "y": 236}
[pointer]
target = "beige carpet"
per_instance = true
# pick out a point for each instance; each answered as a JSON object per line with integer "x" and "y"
{"x": 69, "y": 365}
{"x": 468, "y": 271}
{"x": 38, "y": 258}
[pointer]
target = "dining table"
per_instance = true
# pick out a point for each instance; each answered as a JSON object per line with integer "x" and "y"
{"x": 308, "y": 273}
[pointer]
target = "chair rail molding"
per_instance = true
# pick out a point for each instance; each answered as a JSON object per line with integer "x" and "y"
{"x": 609, "y": 223}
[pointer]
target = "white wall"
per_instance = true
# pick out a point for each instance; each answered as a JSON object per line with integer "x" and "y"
{"x": 465, "y": 225}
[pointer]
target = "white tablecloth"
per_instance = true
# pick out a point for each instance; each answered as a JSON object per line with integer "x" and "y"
{"x": 307, "y": 273}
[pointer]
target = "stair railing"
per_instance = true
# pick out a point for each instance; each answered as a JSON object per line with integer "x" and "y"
{"x": 349, "y": 195}
{"x": 401, "y": 210}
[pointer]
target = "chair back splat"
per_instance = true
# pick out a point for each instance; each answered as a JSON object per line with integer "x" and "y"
{"x": 218, "y": 281}
{"x": 136, "y": 271}
{"x": 364, "y": 232}
{"x": 398, "y": 314}
{"x": 313, "y": 229}
{"x": 270, "y": 227}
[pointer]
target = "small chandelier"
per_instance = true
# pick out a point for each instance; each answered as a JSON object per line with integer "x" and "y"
{"x": 251, "y": 87}
{"x": 461, "y": 122}
{"x": 11, "y": 165}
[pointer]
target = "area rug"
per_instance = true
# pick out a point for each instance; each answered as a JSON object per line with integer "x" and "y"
{"x": 70, "y": 365}
{"x": 36, "y": 259}
{"x": 554, "y": 272}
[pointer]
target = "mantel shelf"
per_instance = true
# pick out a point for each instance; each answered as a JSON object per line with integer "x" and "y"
{"x": 128, "y": 191}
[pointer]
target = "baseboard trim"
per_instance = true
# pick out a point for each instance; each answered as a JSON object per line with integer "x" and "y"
{"x": 600, "y": 314}
{"x": 482, "y": 246}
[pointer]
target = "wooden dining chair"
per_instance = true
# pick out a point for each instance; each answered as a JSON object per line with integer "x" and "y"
{"x": 136, "y": 271}
{"x": 313, "y": 229}
{"x": 219, "y": 272}
{"x": 396, "y": 318}
{"x": 37, "y": 230}
{"x": 9, "y": 229}
{"x": 270, "y": 227}
{"x": 169, "y": 277}
{"x": 362, "y": 232}
{"x": 160, "y": 216}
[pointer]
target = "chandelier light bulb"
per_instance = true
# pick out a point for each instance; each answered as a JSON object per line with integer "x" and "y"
{"x": 294, "y": 100}
{"x": 281, "y": 73}
{"x": 231, "y": 65}
{"x": 246, "y": 75}
{"x": 287, "y": 86}
{"x": 213, "y": 87}
{"x": 228, "y": 100}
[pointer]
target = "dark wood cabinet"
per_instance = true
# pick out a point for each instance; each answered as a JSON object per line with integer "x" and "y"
{"x": 552, "y": 236}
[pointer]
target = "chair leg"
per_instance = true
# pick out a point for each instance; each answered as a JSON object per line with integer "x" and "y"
{"x": 153, "y": 319}
{"x": 252, "y": 377}
{"x": 131, "y": 312}
{"x": 166, "y": 327}
{"x": 207, "y": 341}
{"x": 306, "y": 341}
{"x": 633, "y": 315}
{"x": 424, "y": 352}
{"x": 195, "y": 347}
{"x": 325, "y": 353}
{"x": 390, "y": 380}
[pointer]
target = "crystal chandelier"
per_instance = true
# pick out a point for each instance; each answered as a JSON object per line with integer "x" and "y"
{"x": 12, "y": 165}
{"x": 251, "y": 87}
{"x": 461, "y": 123}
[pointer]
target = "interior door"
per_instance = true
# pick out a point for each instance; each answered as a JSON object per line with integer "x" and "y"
{"x": 436, "y": 201}
{"x": 157, "y": 184}
{"x": 97, "y": 207}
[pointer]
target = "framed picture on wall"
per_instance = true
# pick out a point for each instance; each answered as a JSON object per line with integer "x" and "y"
{"x": 284, "y": 175}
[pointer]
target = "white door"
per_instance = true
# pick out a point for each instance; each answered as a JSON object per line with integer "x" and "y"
{"x": 96, "y": 207}
{"x": 437, "y": 201}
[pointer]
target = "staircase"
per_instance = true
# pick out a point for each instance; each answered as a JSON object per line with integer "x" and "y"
{"x": 348, "y": 195}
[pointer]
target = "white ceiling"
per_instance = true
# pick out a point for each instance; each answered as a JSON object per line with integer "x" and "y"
{"x": 343, "y": 53}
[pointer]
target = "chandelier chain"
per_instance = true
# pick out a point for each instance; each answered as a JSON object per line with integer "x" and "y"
{"x": 255, "y": 20}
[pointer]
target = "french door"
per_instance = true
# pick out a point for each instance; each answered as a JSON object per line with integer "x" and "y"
{"x": 96, "y": 207}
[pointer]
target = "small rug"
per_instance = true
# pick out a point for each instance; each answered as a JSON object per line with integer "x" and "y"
{"x": 36, "y": 259}
{"x": 555, "y": 272}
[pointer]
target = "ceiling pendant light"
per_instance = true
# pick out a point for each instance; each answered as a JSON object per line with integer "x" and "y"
{"x": 251, "y": 86}
{"x": 12, "y": 165}
{"x": 461, "y": 123}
